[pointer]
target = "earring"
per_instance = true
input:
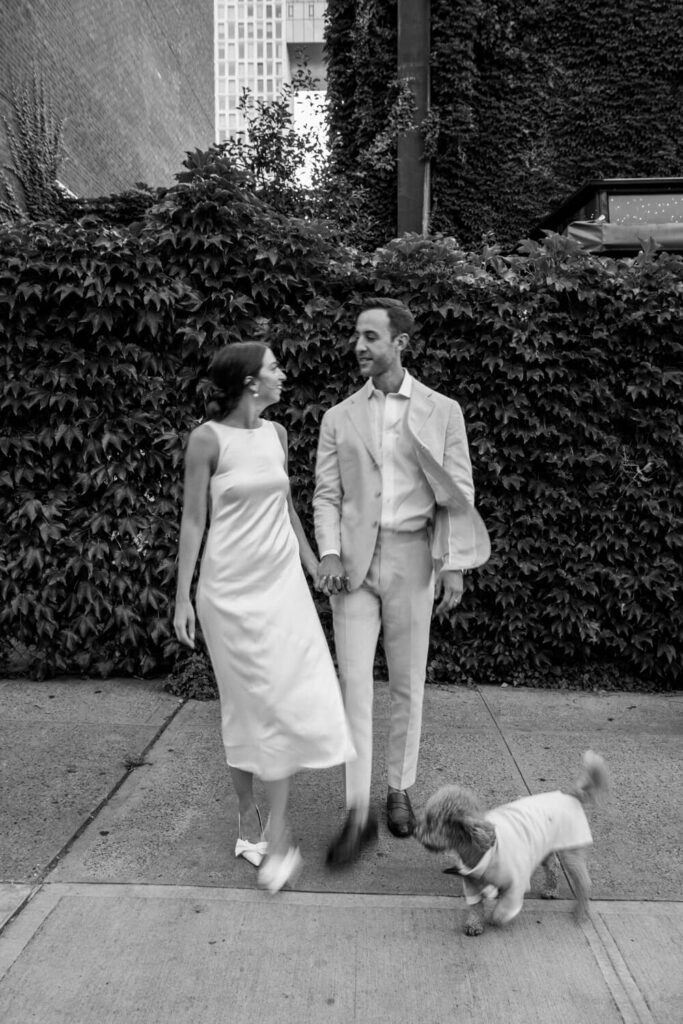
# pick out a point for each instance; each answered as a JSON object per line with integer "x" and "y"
{"x": 254, "y": 392}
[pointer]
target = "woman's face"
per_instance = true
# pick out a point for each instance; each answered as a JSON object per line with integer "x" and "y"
{"x": 270, "y": 379}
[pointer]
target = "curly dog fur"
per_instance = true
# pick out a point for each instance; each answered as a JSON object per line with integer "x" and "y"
{"x": 496, "y": 851}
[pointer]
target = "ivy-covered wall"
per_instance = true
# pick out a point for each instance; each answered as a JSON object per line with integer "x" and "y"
{"x": 568, "y": 368}
{"x": 529, "y": 100}
{"x": 131, "y": 82}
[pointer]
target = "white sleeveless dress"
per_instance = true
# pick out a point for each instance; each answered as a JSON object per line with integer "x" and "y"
{"x": 281, "y": 705}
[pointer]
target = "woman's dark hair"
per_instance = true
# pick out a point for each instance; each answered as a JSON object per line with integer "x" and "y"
{"x": 229, "y": 368}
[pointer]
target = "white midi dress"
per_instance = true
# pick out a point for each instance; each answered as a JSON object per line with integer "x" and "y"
{"x": 281, "y": 705}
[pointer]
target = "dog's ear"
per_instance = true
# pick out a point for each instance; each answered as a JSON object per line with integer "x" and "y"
{"x": 457, "y": 834}
{"x": 482, "y": 835}
{"x": 478, "y": 836}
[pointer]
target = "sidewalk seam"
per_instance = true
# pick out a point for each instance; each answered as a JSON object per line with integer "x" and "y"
{"x": 618, "y": 978}
{"x": 503, "y": 738}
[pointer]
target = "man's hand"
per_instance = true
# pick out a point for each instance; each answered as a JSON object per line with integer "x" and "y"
{"x": 332, "y": 578}
{"x": 449, "y": 587}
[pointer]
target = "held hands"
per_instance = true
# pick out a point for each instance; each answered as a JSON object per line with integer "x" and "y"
{"x": 449, "y": 587}
{"x": 184, "y": 623}
{"x": 331, "y": 577}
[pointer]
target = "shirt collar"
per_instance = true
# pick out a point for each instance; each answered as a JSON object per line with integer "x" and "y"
{"x": 405, "y": 390}
{"x": 479, "y": 868}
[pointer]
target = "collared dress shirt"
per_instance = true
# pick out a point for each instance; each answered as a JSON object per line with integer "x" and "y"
{"x": 407, "y": 498}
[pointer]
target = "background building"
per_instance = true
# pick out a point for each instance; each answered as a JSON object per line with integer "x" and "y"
{"x": 257, "y": 48}
{"x": 132, "y": 82}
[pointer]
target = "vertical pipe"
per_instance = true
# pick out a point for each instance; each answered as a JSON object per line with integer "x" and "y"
{"x": 413, "y": 68}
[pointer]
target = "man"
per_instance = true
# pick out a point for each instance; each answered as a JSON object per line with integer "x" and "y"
{"x": 394, "y": 500}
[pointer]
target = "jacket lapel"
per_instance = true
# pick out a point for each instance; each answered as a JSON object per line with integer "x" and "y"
{"x": 421, "y": 407}
{"x": 359, "y": 415}
{"x": 446, "y": 491}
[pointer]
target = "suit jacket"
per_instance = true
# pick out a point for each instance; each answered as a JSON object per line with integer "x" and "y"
{"x": 347, "y": 502}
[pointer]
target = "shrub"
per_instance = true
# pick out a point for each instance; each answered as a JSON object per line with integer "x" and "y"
{"x": 567, "y": 367}
{"x": 568, "y": 370}
{"x": 109, "y": 334}
{"x": 89, "y": 485}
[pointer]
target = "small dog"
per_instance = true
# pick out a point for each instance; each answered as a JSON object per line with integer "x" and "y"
{"x": 497, "y": 851}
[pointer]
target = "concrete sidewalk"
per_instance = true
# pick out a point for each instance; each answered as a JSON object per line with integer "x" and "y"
{"x": 121, "y": 899}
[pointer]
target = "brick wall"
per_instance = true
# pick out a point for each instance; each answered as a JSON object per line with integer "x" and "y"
{"x": 132, "y": 80}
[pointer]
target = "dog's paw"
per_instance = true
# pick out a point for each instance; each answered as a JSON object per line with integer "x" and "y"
{"x": 474, "y": 926}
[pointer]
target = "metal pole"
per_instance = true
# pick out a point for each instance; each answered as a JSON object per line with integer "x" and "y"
{"x": 413, "y": 68}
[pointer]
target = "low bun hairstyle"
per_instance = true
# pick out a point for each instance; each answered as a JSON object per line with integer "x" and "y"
{"x": 229, "y": 368}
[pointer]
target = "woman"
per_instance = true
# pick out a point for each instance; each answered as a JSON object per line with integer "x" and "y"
{"x": 281, "y": 707}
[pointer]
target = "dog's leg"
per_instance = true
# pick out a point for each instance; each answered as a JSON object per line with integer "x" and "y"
{"x": 577, "y": 870}
{"x": 509, "y": 905}
{"x": 549, "y": 865}
{"x": 474, "y": 925}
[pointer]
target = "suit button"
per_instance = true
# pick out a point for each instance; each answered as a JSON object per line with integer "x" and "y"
{"x": 378, "y": 494}
{"x": 375, "y": 523}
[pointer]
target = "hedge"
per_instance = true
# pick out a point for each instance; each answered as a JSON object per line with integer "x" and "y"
{"x": 567, "y": 367}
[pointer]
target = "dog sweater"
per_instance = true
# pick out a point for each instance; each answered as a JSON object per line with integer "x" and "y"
{"x": 527, "y": 831}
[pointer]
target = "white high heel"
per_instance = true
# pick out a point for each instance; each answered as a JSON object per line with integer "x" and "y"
{"x": 279, "y": 869}
{"x": 253, "y": 853}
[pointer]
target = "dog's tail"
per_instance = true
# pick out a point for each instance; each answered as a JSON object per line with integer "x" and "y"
{"x": 593, "y": 783}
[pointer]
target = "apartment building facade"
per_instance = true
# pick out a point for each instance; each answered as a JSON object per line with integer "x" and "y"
{"x": 258, "y": 45}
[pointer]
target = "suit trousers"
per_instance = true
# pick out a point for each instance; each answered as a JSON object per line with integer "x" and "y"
{"x": 396, "y": 595}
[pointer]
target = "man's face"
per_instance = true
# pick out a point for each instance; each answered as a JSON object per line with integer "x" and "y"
{"x": 376, "y": 351}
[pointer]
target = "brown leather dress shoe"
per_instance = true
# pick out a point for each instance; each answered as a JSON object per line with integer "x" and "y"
{"x": 400, "y": 817}
{"x": 347, "y": 846}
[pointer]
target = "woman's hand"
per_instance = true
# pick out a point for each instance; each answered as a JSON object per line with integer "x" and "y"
{"x": 311, "y": 567}
{"x": 184, "y": 623}
{"x": 332, "y": 578}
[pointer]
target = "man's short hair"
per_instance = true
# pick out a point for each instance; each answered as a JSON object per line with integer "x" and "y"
{"x": 401, "y": 320}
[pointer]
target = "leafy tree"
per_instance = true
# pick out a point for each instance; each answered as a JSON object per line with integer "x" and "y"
{"x": 528, "y": 101}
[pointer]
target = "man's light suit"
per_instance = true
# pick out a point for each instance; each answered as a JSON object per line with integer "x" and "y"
{"x": 391, "y": 572}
